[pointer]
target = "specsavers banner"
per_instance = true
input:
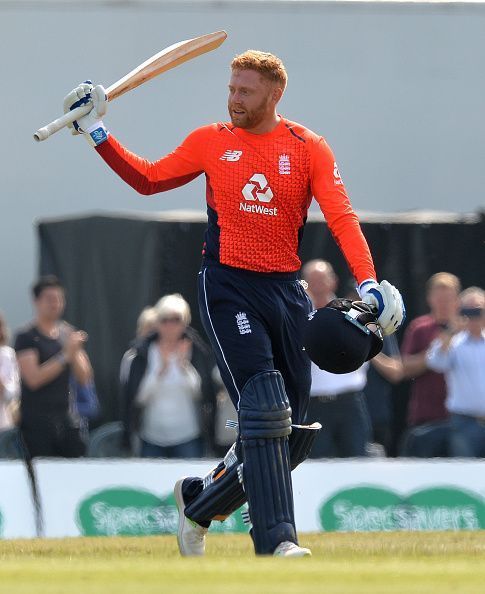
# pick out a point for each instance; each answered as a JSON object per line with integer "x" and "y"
{"x": 114, "y": 498}
{"x": 134, "y": 497}
{"x": 390, "y": 495}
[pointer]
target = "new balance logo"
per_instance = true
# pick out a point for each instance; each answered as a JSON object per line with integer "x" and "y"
{"x": 231, "y": 156}
{"x": 243, "y": 323}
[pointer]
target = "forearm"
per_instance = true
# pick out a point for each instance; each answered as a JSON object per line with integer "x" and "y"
{"x": 346, "y": 230}
{"x": 414, "y": 365}
{"x": 81, "y": 368}
{"x": 142, "y": 175}
{"x": 390, "y": 368}
{"x": 39, "y": 376}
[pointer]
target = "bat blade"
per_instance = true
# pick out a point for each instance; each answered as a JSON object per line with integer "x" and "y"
{"x": 169, "y": 58}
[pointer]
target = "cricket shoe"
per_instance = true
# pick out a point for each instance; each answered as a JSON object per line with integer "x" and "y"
{"x": 190, "y": 535}
{"x": 290, "y": 549}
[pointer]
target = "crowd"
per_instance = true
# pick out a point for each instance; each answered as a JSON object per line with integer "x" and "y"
{"x": 174, "y": 404}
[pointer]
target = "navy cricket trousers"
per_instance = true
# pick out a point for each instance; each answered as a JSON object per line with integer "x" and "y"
{"x": 254, "y": 324}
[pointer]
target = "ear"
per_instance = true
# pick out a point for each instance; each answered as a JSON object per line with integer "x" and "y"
{"x": 277, "y": 94}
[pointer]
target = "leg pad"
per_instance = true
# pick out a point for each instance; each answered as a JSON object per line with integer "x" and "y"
{"x": 221, "y": 492}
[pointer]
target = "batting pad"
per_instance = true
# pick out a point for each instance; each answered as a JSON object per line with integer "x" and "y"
{"x": 265, "y": 424}
{"x": 221, "y": 492}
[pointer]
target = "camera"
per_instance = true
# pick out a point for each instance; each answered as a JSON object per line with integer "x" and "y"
{"x": 471, "y": 312}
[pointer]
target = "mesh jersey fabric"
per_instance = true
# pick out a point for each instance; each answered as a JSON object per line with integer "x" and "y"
{"x": 259, "y": 189}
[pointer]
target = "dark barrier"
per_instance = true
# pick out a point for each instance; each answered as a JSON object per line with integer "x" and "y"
{"x": 113, "y": 266}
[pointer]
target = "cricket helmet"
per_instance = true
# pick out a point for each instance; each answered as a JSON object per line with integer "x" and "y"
{"x": 342, "y": 336}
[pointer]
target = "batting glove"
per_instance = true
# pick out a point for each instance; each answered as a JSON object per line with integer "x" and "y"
{"x": 388, "y": 302}
{"x": 91, "y": 125}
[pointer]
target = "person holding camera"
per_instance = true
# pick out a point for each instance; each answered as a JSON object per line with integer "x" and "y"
{"x": 427, "y": 434}
{"x": 459, "y": 353}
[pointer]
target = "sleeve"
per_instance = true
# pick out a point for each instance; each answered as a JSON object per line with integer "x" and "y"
{"x": 438, "y": 359}
{"x": 23, "y": 342}
{"x": 328, "y": 189}
{"x": 177, "y": 168}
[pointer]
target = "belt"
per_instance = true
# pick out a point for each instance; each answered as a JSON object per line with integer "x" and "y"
{"x": 335, "y": 395}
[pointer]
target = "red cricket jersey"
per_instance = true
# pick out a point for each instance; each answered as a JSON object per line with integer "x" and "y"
{"x": 259, "y": 188}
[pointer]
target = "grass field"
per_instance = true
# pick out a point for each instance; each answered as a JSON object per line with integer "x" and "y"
{"x": 387, "y": 563}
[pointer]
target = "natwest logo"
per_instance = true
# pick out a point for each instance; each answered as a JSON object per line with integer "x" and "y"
{"x": 257, "y": 190}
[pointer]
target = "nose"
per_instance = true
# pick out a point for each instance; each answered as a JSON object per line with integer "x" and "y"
{"x": 235, "y": 97}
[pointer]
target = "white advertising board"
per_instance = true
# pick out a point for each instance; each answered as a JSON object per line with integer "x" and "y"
{"x": 122, "y": 497}
{"x": 16, "y": 508}
{"x": 369, "y": 495}
{"x": 134, "y": 497}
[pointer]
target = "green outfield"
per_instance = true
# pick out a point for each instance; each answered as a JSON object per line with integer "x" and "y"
{"x": 387, "y": 563}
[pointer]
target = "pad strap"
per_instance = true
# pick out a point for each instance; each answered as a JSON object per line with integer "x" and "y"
{"x": 221, "y": 492}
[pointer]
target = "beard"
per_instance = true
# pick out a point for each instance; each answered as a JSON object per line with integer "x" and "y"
{"x": 251, "y": 117}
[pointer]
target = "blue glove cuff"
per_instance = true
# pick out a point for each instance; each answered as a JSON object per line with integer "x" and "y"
{"x": 97, "y": 134}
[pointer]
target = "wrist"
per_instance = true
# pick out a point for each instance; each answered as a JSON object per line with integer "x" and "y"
{"x": 96, "y": 134}
{"x": 61, "y": 358}
{"x": 365, "y": 285}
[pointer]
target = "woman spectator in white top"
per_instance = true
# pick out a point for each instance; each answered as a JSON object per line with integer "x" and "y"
{"x": 170, "y": 390}
{"x": 459, "y": 353}
{"x": 9, "y": 379}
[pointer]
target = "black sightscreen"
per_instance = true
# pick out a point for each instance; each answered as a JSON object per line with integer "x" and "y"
{"x": 113, "y": 266}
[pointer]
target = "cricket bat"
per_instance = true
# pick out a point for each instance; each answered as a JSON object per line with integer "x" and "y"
{"x": 168, "y": 58}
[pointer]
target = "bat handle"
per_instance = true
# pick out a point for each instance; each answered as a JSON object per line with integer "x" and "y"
{"x": 67, "y": 118}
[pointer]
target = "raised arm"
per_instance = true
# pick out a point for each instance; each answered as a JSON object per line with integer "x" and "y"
{"x": 175, "y": 169}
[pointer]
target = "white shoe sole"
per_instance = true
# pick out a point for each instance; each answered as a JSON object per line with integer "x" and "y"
{"x": 179, "y": 500}
{"x": 297, "y": 551}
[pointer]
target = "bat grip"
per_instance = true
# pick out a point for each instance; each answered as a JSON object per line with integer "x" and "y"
{"x": 67, "y": 118}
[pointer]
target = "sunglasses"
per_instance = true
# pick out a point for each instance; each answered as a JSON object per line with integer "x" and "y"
{"x": 472, "y": 312}
{"x": 173, "y": 320}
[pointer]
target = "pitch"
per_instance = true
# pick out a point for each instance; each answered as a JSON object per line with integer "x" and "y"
{"x": 372, "y": 563}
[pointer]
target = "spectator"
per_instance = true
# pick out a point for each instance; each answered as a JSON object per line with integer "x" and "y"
{"x": 426, "y": 409}
{"x": 336, "y": 400}
{"x": 9, "y": 380}
{"x": 163, "y": 392}
{"x": 145, "y": 325}
{"x": 459, "y": 353}
{"x": 49, "y": 350}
